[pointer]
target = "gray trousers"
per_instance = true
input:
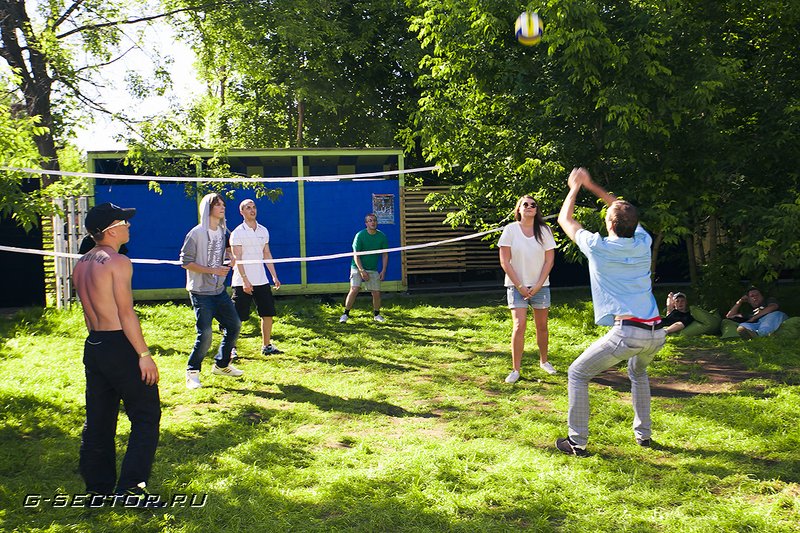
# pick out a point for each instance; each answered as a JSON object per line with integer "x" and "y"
{"x": 638, "y": 346}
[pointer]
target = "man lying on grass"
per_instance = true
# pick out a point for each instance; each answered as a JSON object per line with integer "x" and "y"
{"x": 619, "y": 274}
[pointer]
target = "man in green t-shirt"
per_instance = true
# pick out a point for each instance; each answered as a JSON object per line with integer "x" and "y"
{"x": 364, "y": 268}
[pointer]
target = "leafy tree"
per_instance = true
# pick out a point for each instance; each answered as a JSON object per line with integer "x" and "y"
{"x": 56, "y": 51}
{"x": 304, "y": 72}
{"x": 671, "y": 105}
{"x": 21, "y": 198}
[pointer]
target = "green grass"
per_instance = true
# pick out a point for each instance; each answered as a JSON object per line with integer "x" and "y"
{"x": 408, "y": 426}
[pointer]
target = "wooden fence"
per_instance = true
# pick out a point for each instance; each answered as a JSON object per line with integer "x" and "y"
{"x": 423, "y": 225}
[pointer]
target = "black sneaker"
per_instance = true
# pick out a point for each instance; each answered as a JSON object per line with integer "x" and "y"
{"x": 565, "y": 445}
{"x": 96, "y": 500}
{"x": 270, "y": 349}
{"x": 645, "y": 443}
{"x": 138, "y": 498}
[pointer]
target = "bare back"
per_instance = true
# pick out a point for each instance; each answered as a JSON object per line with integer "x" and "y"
{"x": 99, "y": 276}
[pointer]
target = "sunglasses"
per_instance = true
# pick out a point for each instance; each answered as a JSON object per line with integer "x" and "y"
{"x": 120, "y": 223}
{"x": 526, "y": 204}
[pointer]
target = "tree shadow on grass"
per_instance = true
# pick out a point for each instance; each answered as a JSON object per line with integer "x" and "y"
{"x": 709, "y": 461}
{"x": 415, "y": 332}
{"x": 28, "y": 418}
{"x": 329, "y": 402}
{"x": 366, "y": 362}
{"x": 38, "y": 455}
{"x": 160, "y": 351}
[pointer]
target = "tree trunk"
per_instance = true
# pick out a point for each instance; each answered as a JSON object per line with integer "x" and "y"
{"x": 654, "y": 259}
{"x": 712, "y": 237}
{"x": 35, "y": 82}
{"x": 301, "y": 109}
{"x": 692, "y": 260}
{"x": 699, "y": 249}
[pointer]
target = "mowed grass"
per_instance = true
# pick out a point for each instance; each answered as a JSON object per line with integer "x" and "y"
{"x": 408, "y": 426}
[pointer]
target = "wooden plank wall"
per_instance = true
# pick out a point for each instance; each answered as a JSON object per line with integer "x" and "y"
{"x": 424, "y": 226}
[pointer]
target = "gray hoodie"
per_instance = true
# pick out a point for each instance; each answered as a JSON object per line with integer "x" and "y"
{"x": 196, "y": 249}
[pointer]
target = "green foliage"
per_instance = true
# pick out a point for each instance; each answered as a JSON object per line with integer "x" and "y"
{"x": 344, "y": 68}
{"x": 147, "y": 158}
{"x": 55, "y": 51}
{"x": 408, "y": 426}
{"x": 21, "y": 195}
{"x": 687, "y": 109}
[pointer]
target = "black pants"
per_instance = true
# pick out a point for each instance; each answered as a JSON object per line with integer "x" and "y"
{"x": 112, "y": 374}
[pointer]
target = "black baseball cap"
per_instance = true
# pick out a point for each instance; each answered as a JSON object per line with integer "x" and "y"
{"x": 103, "y": 215}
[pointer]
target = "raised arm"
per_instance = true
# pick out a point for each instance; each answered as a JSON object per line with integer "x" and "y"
{"x": 734, "y": 310}
{"x": 566, "y": 217}
{"x": 596, "y": 189}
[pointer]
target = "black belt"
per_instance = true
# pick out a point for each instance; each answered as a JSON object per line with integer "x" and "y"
{"x": 640, "y": 325}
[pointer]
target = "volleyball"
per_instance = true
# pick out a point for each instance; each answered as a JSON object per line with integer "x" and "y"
{"x": 528, "y": 28}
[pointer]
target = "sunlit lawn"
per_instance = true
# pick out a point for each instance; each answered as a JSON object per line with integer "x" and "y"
{"x": 408, "y": 426}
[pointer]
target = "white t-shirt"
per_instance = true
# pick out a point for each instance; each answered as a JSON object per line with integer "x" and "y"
{"x": 527, "y": 254}
{"x": 252, "y": 242}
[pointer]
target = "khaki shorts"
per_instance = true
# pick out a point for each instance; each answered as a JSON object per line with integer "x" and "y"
{"x": 374, "y": 283}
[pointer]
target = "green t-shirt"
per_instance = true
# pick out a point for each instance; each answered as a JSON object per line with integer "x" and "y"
{"x": 364, "y": 242}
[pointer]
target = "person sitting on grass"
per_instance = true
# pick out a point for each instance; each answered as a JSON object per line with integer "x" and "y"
{"x": 678, "y": 316}
{"x": 763, "y": 318}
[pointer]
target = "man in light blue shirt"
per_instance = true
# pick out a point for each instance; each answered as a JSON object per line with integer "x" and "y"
{"x": 619, "y": 273}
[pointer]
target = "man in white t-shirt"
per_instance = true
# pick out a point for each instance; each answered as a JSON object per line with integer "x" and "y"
{"x": 250, "y": 241}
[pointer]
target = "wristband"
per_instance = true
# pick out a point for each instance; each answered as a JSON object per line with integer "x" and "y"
{"x": 145, "y": 353}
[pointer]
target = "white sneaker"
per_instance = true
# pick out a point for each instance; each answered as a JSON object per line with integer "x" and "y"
{"x": 193, "y": 379}
{"x": 343, "y": 319}
{"x": 513, "y": 377}
{"x": 229, "y": 370}
{"x": 234, "y": 355}
{"x": 378, "y": 318}
{"x": 547, "y": 367}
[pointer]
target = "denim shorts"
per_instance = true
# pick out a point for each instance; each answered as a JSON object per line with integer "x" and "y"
{"x": 540, "y": 300}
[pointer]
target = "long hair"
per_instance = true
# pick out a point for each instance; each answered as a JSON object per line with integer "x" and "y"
{"x": 538, "y": 219}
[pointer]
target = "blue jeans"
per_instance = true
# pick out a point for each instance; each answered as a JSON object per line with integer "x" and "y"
{"x": 768, "y": 324}
{"x": 206, "y": 308}
{"x": 638, "y": 346}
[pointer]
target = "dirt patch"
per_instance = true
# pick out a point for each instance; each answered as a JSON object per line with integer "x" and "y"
{"x": 709, "y": 373}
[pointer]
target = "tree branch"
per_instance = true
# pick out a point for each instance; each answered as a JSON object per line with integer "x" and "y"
{"x": 98, "y": 65}
{"x": 85, "y": 99}
{"x": 66, "y": 14}
{"x": 94, "y": 27}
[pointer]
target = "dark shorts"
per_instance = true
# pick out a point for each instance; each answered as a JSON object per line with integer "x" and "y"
{"x": 262, "y": 294}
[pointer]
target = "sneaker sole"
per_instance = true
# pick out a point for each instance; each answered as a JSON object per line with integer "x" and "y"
{"x": 228, "y": 374}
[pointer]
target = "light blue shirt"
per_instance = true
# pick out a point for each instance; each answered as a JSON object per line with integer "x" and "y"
{"x": 619, "y": 272}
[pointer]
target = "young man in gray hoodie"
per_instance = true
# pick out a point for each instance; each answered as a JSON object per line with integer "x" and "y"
{"x": 202, "y": 255}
